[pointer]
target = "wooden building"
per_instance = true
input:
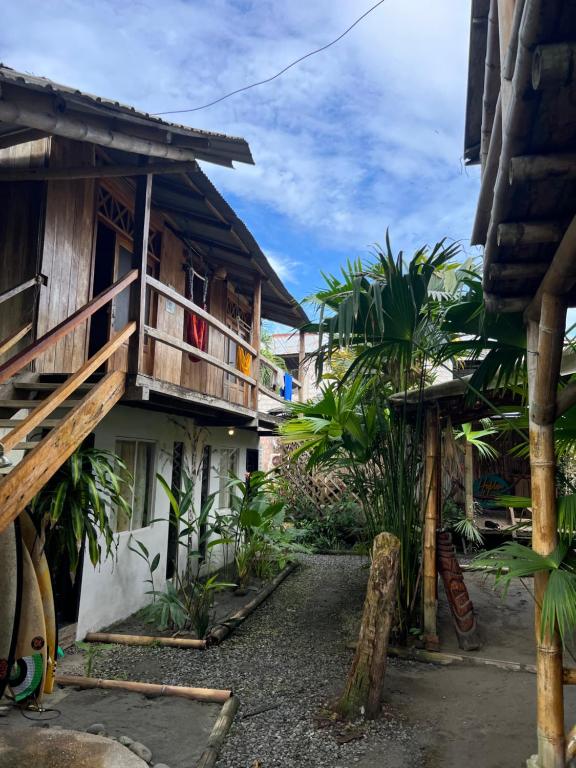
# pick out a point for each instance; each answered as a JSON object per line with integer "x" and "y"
{"x": 131, "y": 300}
{"x": 521, "y": 129}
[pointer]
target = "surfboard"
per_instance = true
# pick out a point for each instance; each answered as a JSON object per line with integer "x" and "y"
{"x": 10, "y": 592}
{"x": 29, "y": 669}
{"x": 36, "y": 550}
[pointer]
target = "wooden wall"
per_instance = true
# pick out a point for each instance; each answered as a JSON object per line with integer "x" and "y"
{"x": 169, "y": 317}
{"x": 20, "y": 238}
{"x": 67, "y": 255}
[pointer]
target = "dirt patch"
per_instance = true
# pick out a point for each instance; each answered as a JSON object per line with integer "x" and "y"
{"x": 176, "y": 731}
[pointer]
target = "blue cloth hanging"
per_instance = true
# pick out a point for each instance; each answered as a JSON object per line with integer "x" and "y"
{"x": 287, "y": 386}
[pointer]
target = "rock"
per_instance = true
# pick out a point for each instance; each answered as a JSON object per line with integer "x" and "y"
{"x": 140, "y": 751}
{"x": 125, "y": 740}
{"x": 98, "y": 729}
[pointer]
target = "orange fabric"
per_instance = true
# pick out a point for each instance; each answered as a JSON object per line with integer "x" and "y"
{"x": 196, "y": 334}
{"x": 243, "y": 361}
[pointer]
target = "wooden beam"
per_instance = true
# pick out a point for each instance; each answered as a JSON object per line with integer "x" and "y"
{"x": 526, "y": 168}
{"x": 62, "y": 124}
{"x": 183, "y": 346}
{"x": 62, "y": 393}
{"x": 10, "y": 341}
{"x": 505, "y": 22}
{"x": 190, "y": 306}
{"x": 94, "y": 172}
{"x": 553, "y": 65}
{"x": 529, "y": 233}
{"x": 36, "y": 348}
{"x": 209, "y": 241}
{"x": 29, "y": 476}
{"x": 491, "y": 83}
{"x": 256, "y": 329}
{"x": 509, "y": 62}
{"x": 139, "y": 262}
{"x": 9, "y": 294}
{"x": 505, "y": 304}
{"x": 207, "y": 221}
{"x": 431, "y": 519}
{"x": 523, "y": 270}
{"x": 489, "y": 174}
{"x": 561, "y": 275}
{"x": 20, "y": 136}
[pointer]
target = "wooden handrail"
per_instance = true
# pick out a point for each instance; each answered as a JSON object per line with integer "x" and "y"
{"x": 32, "y": 351}
{"x": 172, "y": 341}
{"x": 177, "y": 298}
{"x": 36, "y": 280}
{"x": 7, "y": 343}
{"x": 270, "y": 393}
{"x": 63, "y": 392}
{"x": 277, "y": 369}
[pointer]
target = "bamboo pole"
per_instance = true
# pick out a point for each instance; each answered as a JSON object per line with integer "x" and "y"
{"x": 469, "y": 480}
{"x": 218, "y": 733}
{"x": 256, "y": 323}
{"x": 430, "y": 570}
{"x": 168, "y": 642}
{"x": 543, "y": 373}
{"x": 212, "y": 695}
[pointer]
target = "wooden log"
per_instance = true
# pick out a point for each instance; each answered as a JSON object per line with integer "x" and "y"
{"x": 569, "y": 676}
{"x": 222, "y": 630}
{"x": 93, "y": 172}
{"x": 505, "y": 22}
{"x": 218, "y": 733}
{"x": 33, "y": 350}
{"x": 183, "y": 346}
{"x": 504, "y": 304}
{"x": 43, "y": 409}
{"x": 509, "y": 62}
{"x": 526, "y": 168}
{"x": 523, "y": 270}
{"x": 469, "y": 480}
{"x": 190, "y": 306}
{"x": 544, "y": 357}
{"x": 36, "y": 280}
{"x": 489, "y": 173}
{"x": 11, "y": 341}
{"x": 61, "y": 124}
{"x": 256, "y": 323}
{"x": 168, "y": 642}
{"x": 491, "y": 83}
{"x": 529, "y": 233}
{"x": 431, "y": 516}
{"x": 553, "y": 65}
{"x": 363, "y": 689}
{"x": 142, "y": 204}
{"x": 212, "y": 695}
{"x": 19, "y": 487}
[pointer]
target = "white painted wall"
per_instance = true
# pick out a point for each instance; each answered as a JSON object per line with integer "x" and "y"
{"x": 117, "y": 588}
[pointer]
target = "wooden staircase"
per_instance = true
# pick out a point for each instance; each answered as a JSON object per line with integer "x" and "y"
{"x": 44, "y": 419}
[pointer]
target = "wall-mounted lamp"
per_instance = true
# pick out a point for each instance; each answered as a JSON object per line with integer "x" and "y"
{"x": 231, "y": 432}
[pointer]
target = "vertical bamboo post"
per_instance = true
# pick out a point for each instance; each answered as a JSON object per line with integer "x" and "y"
{"x": 256, "y": 322}
{"x": 139, "y": 262}
{"x": 430, "y": 570}
{"x": 469, "y": 480}
{"x": 544, "y": 356}
{"x": 505, "y": 16}
{"x": 301, "y": 372}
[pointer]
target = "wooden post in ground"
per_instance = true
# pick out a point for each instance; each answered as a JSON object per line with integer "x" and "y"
{"x": 366, "y": 677}
{"x": 256, "y": 323}
{"x": 139, "y": 262}
{"x": 469, "y": 480}
{"x": 431, "y": 518}
{"x": 544, "y": 356}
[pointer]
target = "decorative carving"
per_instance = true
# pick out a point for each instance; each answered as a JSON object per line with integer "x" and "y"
{"x": 459, "y": 601}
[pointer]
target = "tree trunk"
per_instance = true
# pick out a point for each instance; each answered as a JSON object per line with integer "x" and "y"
{"x": 364, "y": 685}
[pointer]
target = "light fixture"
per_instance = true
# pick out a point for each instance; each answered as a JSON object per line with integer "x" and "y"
{"x": 231, "y": 431}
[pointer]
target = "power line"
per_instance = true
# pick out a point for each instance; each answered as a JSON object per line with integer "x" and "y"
{"x": 278, "y": 74}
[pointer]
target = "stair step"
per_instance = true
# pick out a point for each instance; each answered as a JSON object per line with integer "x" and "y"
{"x": 17, "y": 404}
{"x": 47, "y": 386}
{"x": 15, "y": 422}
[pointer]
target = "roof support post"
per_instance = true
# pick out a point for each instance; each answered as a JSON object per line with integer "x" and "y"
{"x": 256, "y": 322}
{"x": 431, "y": 520}
{"x": 139, "y": 262}
{"x": 301, "y": 372}
{"x": 544, "y": 348}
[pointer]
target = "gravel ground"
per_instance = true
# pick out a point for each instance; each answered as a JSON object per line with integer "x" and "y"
{"x": 285, "y": 662}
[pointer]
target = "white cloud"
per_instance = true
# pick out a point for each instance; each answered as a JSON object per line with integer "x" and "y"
{"x": 285, "y": 266}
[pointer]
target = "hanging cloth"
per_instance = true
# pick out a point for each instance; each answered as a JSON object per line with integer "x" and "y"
{"x": 287, "y": 386}
{"x": 243, "y": 361}
{"x": 196, "y": 327}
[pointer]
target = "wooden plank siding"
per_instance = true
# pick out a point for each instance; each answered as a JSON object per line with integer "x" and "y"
{"x": 168, "y": 361}
{"x": 67, "y": 255}
{"x": 20, "y": 235}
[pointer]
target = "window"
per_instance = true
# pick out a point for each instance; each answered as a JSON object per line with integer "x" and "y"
{"x": 228, "y": 466}
{"x": 139, "y": 457}
{"x": 173, "y": 532}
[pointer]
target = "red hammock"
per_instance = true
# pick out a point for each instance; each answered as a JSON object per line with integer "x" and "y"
{"x": 196, "y": 334}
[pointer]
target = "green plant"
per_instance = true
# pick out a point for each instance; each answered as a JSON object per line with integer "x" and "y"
{"x": 74, "y": 505}
{"x": 455, "y": 519}
{"x": 92, "y": 651}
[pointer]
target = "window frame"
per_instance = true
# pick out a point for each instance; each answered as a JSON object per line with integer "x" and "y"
{"x": 150, "y": 483}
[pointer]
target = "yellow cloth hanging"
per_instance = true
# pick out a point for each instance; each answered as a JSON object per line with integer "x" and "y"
{"x": 243, "y": 361}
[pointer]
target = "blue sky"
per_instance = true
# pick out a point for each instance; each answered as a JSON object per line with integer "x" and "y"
{"x": 364, "y": 136}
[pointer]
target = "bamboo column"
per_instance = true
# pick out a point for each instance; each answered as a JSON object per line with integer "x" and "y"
{"x": 469, "y": 480}
{"x": 142, "y": 203}
{"x": 301, "y": 372}
{"x": 544, "y": 357}
{"x": 256, "y": 322}
{"x": 431, "y": 517}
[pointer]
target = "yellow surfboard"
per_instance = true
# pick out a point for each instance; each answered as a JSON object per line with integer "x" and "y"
{"x": 36, "y": 550}
{"x": 10, "y": 588}
{"x": 29, "y": 669}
